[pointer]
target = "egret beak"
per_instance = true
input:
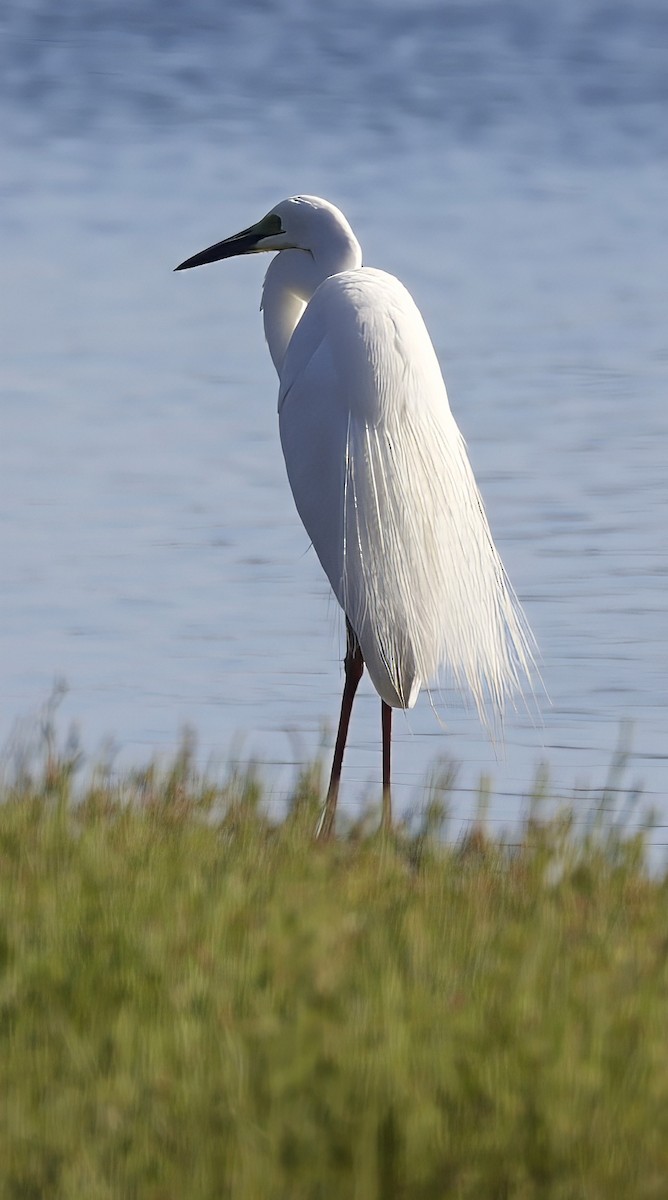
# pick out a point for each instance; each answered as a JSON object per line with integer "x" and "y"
{"x": 246, "y": 242}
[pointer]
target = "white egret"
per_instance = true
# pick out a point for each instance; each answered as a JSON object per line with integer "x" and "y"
{"x": 380, "y": 475}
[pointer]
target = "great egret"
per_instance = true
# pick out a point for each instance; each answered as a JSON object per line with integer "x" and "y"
{"x": 380, "y": 475}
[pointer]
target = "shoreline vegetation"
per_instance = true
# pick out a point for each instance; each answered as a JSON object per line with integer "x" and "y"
{"x": 198, "y": 1002}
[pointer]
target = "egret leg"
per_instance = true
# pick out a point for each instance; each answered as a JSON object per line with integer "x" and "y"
{"x": 386, "y": 722}
{"x": 353, "y": 667}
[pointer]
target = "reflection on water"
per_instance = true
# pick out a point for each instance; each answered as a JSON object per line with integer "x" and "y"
{"x": 508, "y": 167}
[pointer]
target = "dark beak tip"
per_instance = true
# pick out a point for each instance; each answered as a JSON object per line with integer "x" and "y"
{"x": 241, "y": 243}
{"x": 187, "y": 263}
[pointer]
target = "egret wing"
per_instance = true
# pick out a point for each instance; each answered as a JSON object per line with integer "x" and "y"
{"x": 382, "y": 482}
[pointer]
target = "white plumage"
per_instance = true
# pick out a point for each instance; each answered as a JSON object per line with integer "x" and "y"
{"x": 379, "y": 472}
{"x": 382, "y": 482}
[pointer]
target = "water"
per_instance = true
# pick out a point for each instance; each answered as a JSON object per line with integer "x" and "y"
{"x": 509, "y": 165}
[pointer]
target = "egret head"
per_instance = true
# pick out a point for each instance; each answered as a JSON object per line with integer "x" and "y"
{"x": 300, "y": 223}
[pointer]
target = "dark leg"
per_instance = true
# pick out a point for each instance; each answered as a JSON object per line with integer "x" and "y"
{"x": 353, "y": 667}
{"x": 386, "y": 721}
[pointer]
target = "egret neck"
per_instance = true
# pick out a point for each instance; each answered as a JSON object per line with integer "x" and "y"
{"x": 291, "y": 280}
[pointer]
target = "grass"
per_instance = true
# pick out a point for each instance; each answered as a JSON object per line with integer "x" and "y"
{"x": 197, "y": 1003}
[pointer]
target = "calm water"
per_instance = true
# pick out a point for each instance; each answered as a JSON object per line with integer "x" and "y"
{"x": 510, "y": 165}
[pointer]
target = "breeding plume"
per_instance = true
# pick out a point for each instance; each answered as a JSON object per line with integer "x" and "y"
{"x": 380, "y": 475}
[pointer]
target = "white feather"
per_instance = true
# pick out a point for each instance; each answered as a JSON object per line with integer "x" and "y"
{"x": 380, "y": 475}
{"x": 381, "y": 480}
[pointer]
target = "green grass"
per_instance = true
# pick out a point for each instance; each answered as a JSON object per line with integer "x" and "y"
{"x": 195, "y": 1003}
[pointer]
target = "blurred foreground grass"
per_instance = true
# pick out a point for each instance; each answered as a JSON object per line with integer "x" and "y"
{"x": 197, "y": 1003}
